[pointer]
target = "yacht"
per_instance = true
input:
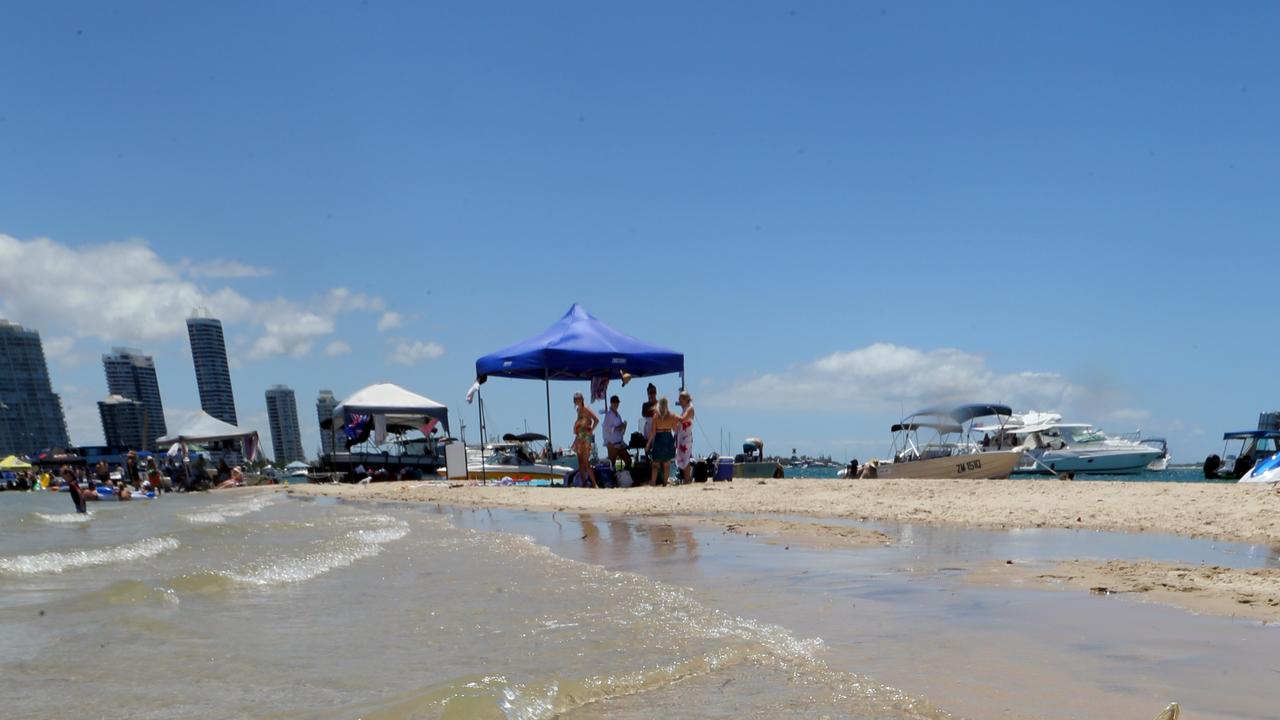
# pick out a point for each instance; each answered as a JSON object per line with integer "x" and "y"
{"x": 935, "y": 443}
{"x": 1054, "y": 446}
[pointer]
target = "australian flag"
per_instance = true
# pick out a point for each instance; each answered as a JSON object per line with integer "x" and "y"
{"x": 356, "y": 426}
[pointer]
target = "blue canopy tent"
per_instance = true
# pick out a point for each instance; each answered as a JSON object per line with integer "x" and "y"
{"x": 579, "y": 347}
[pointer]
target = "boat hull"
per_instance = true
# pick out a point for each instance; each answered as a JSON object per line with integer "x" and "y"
{"x": 747, "y": 470}
{"x": 996, "y": 464}
{"x": 1117, "y": 463}
{"x": 517, "y": 472}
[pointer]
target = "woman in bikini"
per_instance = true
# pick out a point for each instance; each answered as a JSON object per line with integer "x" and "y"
{"x": 584, "y": 429}
{"x": 662, "y": 442}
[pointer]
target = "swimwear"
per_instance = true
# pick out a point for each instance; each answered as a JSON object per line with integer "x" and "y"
{"x": 684, "y": 444}
{"x": 664, "y": 446}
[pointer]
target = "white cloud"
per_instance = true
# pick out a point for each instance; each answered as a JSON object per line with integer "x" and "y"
{"x": 62, "y": 350}
{"x": 390, "y": 319}
{"x": 410, "y": 353}
{"x": 220, "y": 268}
{"x": 124, "y": 291}
{"x": 336, "y": 348}
{"x": 885, "y": 377}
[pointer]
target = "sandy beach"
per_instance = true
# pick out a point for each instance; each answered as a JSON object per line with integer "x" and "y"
{"x": 1223, "y": 511}
{"x": 1220, "y": 511}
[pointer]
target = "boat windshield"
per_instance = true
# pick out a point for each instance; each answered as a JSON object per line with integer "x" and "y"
{"x": 1085, "y": 435}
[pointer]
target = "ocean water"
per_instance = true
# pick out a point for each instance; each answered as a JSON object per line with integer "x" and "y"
{"x": 255, "y": 605}
{"x": 1177, "y": 474}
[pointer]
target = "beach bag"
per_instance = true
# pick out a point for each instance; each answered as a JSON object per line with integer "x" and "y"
{"x": 624, "y": 479}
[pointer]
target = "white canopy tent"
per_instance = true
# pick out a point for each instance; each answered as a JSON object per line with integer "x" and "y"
{"x": 205, "y": 428}
{"x": 393, "y": 403}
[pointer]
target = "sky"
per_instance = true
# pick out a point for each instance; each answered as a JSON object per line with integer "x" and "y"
{"x": 837, "y": 211}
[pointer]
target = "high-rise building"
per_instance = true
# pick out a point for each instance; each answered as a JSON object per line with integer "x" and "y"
{"x": 282, "y": 416}
{"x": 132, "y": 375}
{"x": 123, "y": 421}
{"x": 31, "y": 416}
{"x": 213, "y": 377}
{"x": 325, "y": 403}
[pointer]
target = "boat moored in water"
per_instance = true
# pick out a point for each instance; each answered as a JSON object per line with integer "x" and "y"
{"x": 949, "y": 452}
{"x": 1255, "y": 446}
{"x": 515, "y": 458}
{"x": 1057, "y": 447}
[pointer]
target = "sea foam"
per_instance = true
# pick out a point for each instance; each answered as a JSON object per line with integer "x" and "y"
{"x": 353, "y": 546}
{"x": 222, "y": 513}
{"x": 63, "y": 518}
{"x": 52, "y": 563}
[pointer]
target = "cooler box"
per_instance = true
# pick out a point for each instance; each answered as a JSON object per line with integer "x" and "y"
{"x": 724, "y": 469}
{"x": 606, "y": 476}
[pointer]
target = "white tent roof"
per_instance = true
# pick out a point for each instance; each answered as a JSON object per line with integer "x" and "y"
{"x": 205, "y": 428}
{"x": 296, "y": 465}
{"x": 396, "y": 403}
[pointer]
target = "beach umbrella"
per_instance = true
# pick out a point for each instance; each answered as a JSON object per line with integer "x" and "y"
{"x": 13, "y": 462}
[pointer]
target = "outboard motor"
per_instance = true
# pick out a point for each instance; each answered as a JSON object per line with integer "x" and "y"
{"x": 1211, "y": 465}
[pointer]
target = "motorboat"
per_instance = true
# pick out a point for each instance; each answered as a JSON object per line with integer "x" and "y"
{"x": 752, "y": 463}
{"x": 1056, "y": 447}
{"x": 948, "y": 451}
{"x": 1254, "y": 447}
{"x": 514, "y": 458}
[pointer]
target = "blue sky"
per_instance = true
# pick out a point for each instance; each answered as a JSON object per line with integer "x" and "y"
{"x": 835, "y": 210}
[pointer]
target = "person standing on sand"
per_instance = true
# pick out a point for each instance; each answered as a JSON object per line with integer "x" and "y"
{"x": 647, "y": 409}
{"x": 662, "y": 442}
{"x": 584, "y": 433}
{"x": 684, "y": 437}
{"x": 614, "y": 428}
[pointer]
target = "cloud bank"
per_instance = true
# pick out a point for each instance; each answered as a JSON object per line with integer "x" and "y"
{"x": 121, "y": 292}
{"x": 884, "y": 378}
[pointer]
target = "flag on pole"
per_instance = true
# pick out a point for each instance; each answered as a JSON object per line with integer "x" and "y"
{"x": 599, "y": 388}
{"x": 429, "y": 426}
{"x": 471, "y": 391}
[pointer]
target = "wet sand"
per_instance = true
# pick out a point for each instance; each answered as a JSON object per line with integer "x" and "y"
{"x": 1221, "y": 511}
{"x": 1249, "y": 513}
{"x": 1252, "y": 593}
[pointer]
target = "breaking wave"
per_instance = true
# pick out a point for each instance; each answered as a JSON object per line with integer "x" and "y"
{"x": 52, "y": 563}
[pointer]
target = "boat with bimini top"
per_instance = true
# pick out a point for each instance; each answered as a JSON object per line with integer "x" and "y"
{"x": 948, "y": 452}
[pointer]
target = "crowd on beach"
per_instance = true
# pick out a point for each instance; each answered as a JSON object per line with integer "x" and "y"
{"x": 667, "y": 437}
{"x": 132, "y": 477}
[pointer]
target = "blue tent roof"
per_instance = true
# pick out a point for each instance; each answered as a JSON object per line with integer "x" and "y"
{"x": 579, "y": 347}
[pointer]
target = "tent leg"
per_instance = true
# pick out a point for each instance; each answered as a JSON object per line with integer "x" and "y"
{"x": 546, "y": 378}
{"x": 484, "y": 474}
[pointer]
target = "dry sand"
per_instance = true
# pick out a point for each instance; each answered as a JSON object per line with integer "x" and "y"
{"x": 1210, "y": 589}
{"x": 1249, "y": 513}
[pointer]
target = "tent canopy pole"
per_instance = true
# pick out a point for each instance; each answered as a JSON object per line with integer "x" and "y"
{"x": 546, "y": 378}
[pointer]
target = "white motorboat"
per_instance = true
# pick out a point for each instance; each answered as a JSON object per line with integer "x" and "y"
{"x": 515, "y": 459}
{"x": 1053, "y": 446}
{"x": 949, "y": 453}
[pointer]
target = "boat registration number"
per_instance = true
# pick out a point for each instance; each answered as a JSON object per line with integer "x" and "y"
{"x": 968, "y": 466}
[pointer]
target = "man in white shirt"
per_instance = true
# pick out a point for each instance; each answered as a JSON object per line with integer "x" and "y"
{"x": 614, "y": 428}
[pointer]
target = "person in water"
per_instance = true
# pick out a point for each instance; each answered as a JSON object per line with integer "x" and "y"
{"x": 662, "y": 442}
{"x": 584, "y": 433}
{"x": 74, "y": 490}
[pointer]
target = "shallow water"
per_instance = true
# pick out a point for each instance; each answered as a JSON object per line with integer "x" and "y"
{"x": 319, "y": 609}
{"x": 256, "y": 605}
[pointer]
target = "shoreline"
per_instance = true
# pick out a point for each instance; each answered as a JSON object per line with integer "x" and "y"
{"x": 1240, "y": 513}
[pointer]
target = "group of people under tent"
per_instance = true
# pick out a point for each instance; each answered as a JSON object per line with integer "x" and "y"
{"x": 668, "y": 436}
